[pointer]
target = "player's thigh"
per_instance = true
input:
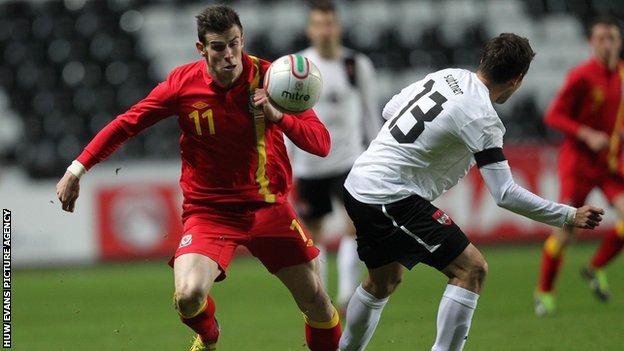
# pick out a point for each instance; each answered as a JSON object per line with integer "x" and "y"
{"x": 304, "y": 283}
{"x": 204, "y": 253}
{"x": 279, "y": 240}
{"x": 194, "y": 273}
{"x": 302, "y": 279}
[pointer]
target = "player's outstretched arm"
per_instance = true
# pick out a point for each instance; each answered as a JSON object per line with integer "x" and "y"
{"x": 511, "y": 196}
{"x": 155, "y": 107}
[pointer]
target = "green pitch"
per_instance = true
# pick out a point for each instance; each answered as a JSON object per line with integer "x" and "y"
{"x": 128, "y": 307}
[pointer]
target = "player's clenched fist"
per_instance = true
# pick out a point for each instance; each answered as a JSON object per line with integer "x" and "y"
{"x": 595, "y": 139}
{"x": 588, "y": 217}
{"x": 67, "y": 190}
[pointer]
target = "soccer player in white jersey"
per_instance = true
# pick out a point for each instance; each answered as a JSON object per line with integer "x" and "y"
{"x": 348, "y": 107}
{"x": 436, "y": 130}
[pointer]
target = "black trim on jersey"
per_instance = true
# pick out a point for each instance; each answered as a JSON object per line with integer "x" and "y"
{"x": 349, "y": 65}
{"x": 489, "y": 156}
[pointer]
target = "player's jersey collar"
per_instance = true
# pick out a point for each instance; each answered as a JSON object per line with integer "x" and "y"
{"x": 602, "y": 68}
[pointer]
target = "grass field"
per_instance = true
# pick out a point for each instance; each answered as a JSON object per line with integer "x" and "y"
{"x": 128, "y": 307}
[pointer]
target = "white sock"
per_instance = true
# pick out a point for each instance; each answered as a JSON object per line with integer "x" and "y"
{"x": 322, "y": 262}
{"x": 454, "y": 318}
{"x": 349, "y": 269}
{"x": 363, "y": 315}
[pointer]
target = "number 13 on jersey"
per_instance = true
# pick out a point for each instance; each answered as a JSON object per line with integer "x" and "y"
{"x": 415, "y": 118}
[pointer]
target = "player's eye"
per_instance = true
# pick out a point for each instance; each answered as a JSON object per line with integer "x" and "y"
{"x": 234, "y": 44}
{"x": 217, "y": 46}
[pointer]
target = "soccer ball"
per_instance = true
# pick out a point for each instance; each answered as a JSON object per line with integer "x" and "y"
{"x": 293, "y": 83}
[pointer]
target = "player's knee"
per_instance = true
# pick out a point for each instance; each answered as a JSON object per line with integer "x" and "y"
{"x": 317, "y": 304}
{"x": 382, "y": 289}
{"x": 189, "y": 300}
{"x": 478, "y": 271}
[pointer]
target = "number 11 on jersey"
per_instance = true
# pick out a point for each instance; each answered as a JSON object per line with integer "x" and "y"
{"x": 207, "y": 115}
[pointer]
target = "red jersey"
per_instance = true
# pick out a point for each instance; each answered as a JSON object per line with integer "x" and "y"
{"x": 230, "y": 153}
{"x": 591, "y": 96}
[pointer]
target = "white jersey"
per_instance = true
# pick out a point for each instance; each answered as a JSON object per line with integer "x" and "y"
{"x": 434, "y": 127}
{"x": 349, "y": 111}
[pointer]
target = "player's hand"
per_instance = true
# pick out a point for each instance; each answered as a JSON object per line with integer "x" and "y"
{"x": 595, "y": 140}
{"x": 67, "y": 190}
{"x": 588, "y": 217}
{"x": 271, "y": 113}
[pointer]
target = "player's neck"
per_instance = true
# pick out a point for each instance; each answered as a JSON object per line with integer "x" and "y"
{"x": 329, "y": 52}
{"x": 493, "y": 89}
{"x": 610, "y": 64}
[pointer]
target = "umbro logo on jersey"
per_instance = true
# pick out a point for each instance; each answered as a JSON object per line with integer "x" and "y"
{"x": 442, "y": 217}
{"x": 186, "y": 240}
{"x": 200, "y": 105}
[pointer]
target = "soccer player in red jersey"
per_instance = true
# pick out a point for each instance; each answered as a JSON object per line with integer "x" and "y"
{"x": 235, "y": 178}
{"x": 589, "y": 110}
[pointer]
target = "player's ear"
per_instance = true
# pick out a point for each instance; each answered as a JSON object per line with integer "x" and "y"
{"x": 242, "y": 40}
{"x": 517, "y": 81}
{"x": 200, "y": 48}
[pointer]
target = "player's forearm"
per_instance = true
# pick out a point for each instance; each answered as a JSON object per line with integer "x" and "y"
{"x": 103, "y": 144}
{"x": 513, "y": 197}
{"x": 563, "y": 123}
{"x": 561, "y": 114}
{"x": 307, "y": 132}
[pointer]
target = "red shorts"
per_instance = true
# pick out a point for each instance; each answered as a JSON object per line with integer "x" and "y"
{"x": 272, "y": 233}
{"x": 576, "y": 183}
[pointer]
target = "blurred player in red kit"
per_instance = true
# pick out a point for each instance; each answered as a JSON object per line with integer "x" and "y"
{"x": 235, "y": 178}
{"x": 589, "y": 110}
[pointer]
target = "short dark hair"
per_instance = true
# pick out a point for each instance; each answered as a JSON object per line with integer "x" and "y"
{"x": 506, "y": 57}
{"x": 216, "y": 19}
{"x": 322, "y": 5}
{"x": 604, "y": 20}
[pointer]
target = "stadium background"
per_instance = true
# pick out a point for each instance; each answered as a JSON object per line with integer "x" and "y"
{"x": 68, "y": 67}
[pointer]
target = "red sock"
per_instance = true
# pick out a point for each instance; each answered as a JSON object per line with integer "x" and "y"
{"x": 609, "y": 248}
{"x": 323, "y": 336}
{"x": 204, "y": 323}
{"x": 552, "y": 256}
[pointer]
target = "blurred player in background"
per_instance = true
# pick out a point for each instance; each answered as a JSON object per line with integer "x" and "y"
{"x": 589, "y": 110}
{"x": 437, "y": 129}
{"x": 235, "y": 178}
{"x": 348, "y": 108}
